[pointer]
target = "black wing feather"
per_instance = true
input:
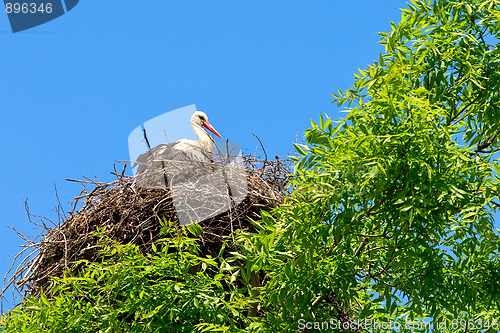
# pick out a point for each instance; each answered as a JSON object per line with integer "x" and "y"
{"x": 158, "y": 153}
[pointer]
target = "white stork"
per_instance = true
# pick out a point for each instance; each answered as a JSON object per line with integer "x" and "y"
{"x": 184, "y": 149}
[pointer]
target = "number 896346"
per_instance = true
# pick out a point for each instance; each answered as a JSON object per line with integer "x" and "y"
{"x": 28, "y": 8}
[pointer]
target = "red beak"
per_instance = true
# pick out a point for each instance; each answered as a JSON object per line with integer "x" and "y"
{"x": 209, "y": 127}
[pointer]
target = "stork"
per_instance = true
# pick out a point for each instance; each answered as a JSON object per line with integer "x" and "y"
{"x": 184, "y": 149}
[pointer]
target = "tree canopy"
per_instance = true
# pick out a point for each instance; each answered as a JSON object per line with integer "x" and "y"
{"x": 407, "y": 183}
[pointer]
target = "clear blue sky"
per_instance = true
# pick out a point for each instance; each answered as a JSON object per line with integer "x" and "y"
{"x": 73, "y": 89}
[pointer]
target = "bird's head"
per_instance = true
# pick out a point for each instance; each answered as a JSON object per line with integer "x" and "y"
{"x": 200, "y": 119}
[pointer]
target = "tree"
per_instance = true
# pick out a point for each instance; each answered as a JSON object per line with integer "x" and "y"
{"x": 391, "y": 215}
{"x": 129, "y": 291}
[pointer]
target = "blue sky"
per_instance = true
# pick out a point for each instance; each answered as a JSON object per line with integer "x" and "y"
{"x": 72, "y": 90}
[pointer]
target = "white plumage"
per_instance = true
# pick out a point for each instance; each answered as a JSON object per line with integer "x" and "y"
{"x": 184, "y": 149}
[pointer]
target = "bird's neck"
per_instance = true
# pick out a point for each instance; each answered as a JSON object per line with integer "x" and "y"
{"x": 204, "y": 139}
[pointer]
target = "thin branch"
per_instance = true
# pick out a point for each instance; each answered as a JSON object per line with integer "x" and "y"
{"x": 261, "y": 145}
{"x": 482, "y": 146}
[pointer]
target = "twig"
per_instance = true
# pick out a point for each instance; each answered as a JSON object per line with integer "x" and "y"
{"x": 261, "y": 145}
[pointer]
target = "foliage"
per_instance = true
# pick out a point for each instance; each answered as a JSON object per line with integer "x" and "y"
{"x": 392, "y": 209}
{"x": 175, "y": 290}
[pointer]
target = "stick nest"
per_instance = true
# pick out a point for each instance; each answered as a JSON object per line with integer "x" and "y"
{"x": 131, "y": 214}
